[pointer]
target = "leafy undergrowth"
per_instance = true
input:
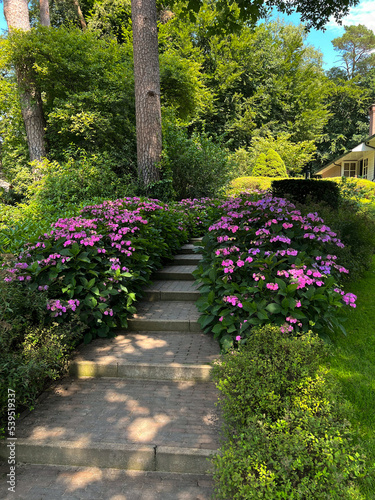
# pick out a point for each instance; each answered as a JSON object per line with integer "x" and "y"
{"x": 353, "y": 366}
{"x": 286, "y": 434}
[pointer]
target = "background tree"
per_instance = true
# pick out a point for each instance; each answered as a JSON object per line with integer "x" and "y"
{"x": 295, "y": 155}
{"x": 351, "y": 90}
{"x": 315, "y": 13}
{"x": 88, "y": 91}
{"x": 16, "y": 13}
{"x": 44, "y": 13}
{"x": 147, "y": 89}
{"x": 356, "y": 48}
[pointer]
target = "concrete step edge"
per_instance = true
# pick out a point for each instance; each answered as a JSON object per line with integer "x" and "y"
{"x": 187, "y": 259}
{"x": 173, "y": 275}
{"x": 111, "y": 455}
{"x": 164, "y": 325}
{"x": 143, "y": 371}
{"x": 182, "y": 295}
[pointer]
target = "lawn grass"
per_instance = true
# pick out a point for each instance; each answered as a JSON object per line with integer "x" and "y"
{"x": 353, "y": 366}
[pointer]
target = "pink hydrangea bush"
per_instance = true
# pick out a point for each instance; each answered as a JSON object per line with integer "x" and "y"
{"x": 266, "y": 263}
{"x": 94, "y": 266}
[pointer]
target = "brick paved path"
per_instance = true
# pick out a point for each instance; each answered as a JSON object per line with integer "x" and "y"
{"x": 135, "y": 418}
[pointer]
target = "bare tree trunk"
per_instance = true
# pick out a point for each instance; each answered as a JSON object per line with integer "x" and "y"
{"x": 16, "y": 13}
{"x": 33, "y": 117}
{"x": 44, "y": 13}
{"x": 147, "y": 89}
{"x": 80, "y": 15}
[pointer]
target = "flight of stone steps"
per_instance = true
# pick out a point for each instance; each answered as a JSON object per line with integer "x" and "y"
{"x": 142, "y": 401}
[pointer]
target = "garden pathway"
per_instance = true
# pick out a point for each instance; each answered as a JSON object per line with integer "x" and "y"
{"x": 136, "y": 417}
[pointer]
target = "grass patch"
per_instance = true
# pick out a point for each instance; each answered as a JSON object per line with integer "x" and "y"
{"x": 353, "y": 365}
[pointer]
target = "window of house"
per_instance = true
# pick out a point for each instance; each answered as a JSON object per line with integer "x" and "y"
{"x": 365, "y": 168}
{"x": 350, "y": 169}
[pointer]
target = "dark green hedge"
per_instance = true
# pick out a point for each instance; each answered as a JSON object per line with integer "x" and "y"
{"x": 307, "y": 190}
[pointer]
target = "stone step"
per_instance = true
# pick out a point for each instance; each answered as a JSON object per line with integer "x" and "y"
{"x": 187, "y": 259}
{"x": 122, "y": 424}
{"x": 181, "y": 316}
{"x": 176, "y": 272}
{"x": 51, "y": 482}
{"x": 171, "y": 290}
{"x": 189, "y": 248}
{"x": 147, "y": 355}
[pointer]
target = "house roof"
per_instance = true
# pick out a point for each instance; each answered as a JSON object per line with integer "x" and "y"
{"x": 354, "y": 154}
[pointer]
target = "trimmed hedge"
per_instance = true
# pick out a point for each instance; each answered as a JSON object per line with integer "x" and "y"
{"x": 302, "y": 190}
{"x": 285, "y": 428}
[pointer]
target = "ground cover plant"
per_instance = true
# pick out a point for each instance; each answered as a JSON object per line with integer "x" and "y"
{"x": 264, "y": 262}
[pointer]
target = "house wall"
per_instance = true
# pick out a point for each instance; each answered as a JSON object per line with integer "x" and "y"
{"x": 371, "y": 166}
{"x": 338, "y": 170}
{"x": 335, "y": 171}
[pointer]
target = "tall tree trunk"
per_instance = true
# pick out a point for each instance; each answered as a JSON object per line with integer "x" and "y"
{"x": 80, "y": 15}
{"x": 16, "y": 13}
{"x": 147, "y": 89}
{"x": 44, "y": 13}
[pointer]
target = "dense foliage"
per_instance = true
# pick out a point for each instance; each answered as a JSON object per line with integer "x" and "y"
{"x": 304, "y": 190}
{"x": 285, "y": 428}
{"x": 265, "y": 262}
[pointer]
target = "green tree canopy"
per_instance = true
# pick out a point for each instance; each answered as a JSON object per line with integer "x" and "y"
{"x": 356, "y": 48}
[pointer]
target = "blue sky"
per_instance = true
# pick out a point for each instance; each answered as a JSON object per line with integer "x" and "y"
{"x": 363, "y": 13}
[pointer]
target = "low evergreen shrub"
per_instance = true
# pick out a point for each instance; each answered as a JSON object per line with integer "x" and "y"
{"x": 199, "y": 166}
{"x": 285, "y": 431}
{"x": 269, "y": 165}
{"x": 306, "y": 190}
{"x": 248, "y": 185}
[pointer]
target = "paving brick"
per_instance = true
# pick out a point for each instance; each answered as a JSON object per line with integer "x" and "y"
{"x": 151, "y": 347}
{"x": 156, "y": 425}
{"x": 123, "y": 412}
{"x": 45, "y": 482}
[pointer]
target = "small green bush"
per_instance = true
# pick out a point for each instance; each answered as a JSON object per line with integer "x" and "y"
{"x": 269, "y": 165}
{"x": 305, "y": 190}
{"x": 199, "y": 166}
{"x": 79, "y": 178}
{"x": 285, "y": 431}
{"x": 31, "y": 355}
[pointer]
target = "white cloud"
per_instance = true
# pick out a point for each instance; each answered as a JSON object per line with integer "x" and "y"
{"x": 364, "y": 13}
